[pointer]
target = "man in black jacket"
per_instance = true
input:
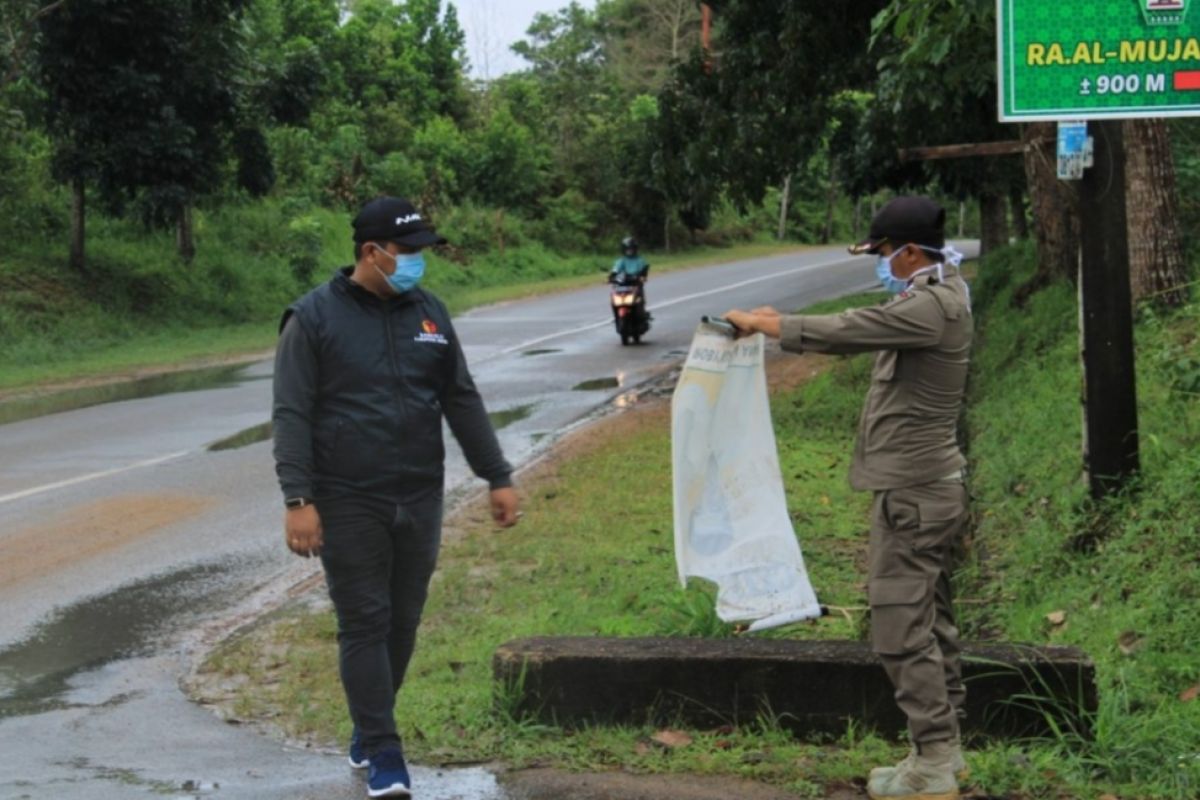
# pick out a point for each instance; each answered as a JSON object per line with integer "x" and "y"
{"x": 367, "y": 367}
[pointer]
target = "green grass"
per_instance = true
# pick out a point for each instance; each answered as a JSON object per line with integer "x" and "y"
{"x": 162, "y": 347}
{"x": 1125, "y": 571}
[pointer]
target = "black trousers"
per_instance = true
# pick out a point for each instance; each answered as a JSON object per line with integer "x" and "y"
{"x": 378, "y": 558}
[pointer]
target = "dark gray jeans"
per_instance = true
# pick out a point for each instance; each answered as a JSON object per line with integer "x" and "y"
{"x": 378, "y": 558}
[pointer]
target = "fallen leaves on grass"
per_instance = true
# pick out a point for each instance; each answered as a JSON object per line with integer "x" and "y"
{"x": 672, "y": 739}
{"x": 1128, "y": 642}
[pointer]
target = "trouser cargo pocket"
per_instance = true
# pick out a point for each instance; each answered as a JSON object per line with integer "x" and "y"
{"x": 939, "y": 524}
{"x": 901, "y": 614}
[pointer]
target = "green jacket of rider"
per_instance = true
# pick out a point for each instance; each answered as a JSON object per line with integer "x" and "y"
{"x": 629, "y": 267}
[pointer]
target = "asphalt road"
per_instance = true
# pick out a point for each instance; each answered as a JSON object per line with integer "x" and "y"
{"x": 123, "y": 539}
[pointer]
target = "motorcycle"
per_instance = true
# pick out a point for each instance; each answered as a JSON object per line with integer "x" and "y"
{"x": 629, "y": 308}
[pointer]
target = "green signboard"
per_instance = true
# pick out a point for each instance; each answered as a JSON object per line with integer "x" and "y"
{"x": 1098, "y": 59}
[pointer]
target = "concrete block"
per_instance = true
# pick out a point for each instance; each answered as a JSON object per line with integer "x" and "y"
{"x": 809, "y": 687}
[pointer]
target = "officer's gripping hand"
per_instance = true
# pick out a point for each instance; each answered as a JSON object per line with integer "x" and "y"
{"x": 752, "y": 322}
{"x": 303, "y": 530}
{"x": 505, "y": 510}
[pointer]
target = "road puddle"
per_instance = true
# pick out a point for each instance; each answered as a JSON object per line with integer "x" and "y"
{"x": 502, "y": 419}
{"x": 545, "y": 351}
{"x": 258, "y": 433}
{"x": 37, "y": 405}
{"x": 596, "y": 384}
{"x": 38, "y": 671}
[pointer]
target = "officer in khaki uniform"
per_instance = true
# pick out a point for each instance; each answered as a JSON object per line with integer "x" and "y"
{"x": 907, "y": 454}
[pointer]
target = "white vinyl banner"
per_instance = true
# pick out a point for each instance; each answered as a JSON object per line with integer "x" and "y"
{"x": 731, "y": 519}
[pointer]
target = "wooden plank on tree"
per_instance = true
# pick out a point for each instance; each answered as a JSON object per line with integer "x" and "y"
{"x": 1005, "y": 148}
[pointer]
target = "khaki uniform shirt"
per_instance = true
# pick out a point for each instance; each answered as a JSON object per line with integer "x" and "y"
{"x": 907, "y": 434}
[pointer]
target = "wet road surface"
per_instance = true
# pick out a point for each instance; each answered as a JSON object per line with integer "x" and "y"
{"x": 122, "y": 536}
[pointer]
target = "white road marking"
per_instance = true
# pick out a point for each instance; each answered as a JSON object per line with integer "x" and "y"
{"x": 676, "y": 301}
{"x": 91, "y": 476}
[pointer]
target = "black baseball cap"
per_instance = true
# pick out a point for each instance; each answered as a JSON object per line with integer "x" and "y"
{"x": 394, "y": 219}
{"x": 906, "y": 220}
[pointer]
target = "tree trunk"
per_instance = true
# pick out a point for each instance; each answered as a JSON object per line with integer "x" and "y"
{"x": 1054, "y": 208}
{"x": 993, "y": 222}
{"x": 857, "y": 217}
{"x": 962, "y": 218}
{"x": 1156, "y": 266}
{"x": 1016, "y": 201}
{"x": 78, "y": 223}
{"x": 830, "y": 202}
{"x": 667, "y": 228}
{"x": 785, "y": 201}
{"x": 185, "y": 242}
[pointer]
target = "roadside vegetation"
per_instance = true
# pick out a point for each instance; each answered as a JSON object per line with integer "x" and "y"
{"x": 1046, "y": 565}
{"x": 228, "y": 301}
{"x": 148, "y": 220}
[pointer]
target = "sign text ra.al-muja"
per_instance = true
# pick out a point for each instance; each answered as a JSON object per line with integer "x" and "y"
{"x": 1098, "y": 59}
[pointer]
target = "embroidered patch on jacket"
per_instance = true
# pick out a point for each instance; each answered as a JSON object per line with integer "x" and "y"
{"x": 429, "y": 333}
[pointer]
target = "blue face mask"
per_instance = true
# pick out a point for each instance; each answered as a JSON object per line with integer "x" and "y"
{"x": 410, "y": 267}
{"x": 883, "y": 271}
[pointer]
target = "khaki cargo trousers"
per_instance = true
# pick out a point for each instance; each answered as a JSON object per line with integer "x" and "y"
{"x": 913, "y": 533}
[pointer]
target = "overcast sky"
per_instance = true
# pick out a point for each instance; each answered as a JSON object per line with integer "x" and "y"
{"x": 492, "y": 26}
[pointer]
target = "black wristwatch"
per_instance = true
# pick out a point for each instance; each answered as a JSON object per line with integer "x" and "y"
{"x": 297, "y": 502}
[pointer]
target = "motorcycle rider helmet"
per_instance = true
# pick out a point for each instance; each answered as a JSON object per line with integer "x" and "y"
{"x": 629, "y": 246}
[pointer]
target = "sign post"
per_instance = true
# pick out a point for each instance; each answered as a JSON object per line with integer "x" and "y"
{"x": 1110, "y": 432}
{"x": 1100, "y": 60}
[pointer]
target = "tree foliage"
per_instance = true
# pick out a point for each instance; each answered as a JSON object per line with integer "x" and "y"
{"x": 122, "y": 113}
{"x": 758, "y": 110}
{"x": 618, "y": 123}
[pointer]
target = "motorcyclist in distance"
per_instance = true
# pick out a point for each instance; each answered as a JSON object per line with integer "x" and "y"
{"x": 630, "y": 267}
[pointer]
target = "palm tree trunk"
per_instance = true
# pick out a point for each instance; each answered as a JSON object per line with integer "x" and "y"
{"x": 1054, "y": 209}
{"x": 1156, "y": 265}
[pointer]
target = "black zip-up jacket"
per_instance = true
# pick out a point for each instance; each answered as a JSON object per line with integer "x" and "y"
{"x": 361, "y": 385}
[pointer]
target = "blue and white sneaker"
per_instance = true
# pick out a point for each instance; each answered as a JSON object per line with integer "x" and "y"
{"x": 388, "y": 775}
{"x": 358, "y": 753}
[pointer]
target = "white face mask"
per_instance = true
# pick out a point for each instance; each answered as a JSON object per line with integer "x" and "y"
{"x": 952, "y": 257}
{"x": 949, "y": 255}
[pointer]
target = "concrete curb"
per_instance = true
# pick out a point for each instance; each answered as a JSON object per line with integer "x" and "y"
{"x": 808, "y": 687}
